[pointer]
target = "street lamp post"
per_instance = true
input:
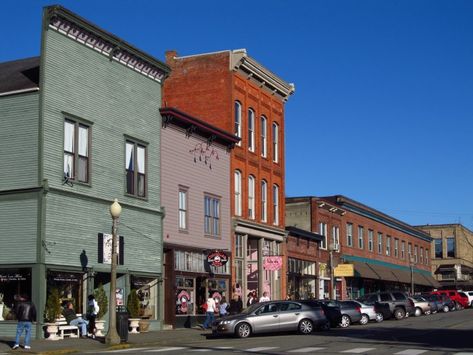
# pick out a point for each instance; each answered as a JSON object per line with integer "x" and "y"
{"x": 411, "y": 264}
{"x": 333, "y": 293}
{"x": 112, "y": 336}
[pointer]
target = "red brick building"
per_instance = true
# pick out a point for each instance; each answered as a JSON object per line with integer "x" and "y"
{"x": 385, "y": 252}
{"x": 232, "y": 91}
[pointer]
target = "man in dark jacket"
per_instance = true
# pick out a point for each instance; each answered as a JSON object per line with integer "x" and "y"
{"x": 73, "y": 319}
{"x": 26, "y": 314}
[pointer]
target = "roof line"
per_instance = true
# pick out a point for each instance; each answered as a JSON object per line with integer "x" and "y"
{"x": 21, "y": 91}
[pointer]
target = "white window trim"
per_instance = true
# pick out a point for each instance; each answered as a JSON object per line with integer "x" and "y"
{"x": 251, "y": 197}
{"x": 237, "y": 192}
{"x": 237, "y": 122}
{"x": 251, "y": 130}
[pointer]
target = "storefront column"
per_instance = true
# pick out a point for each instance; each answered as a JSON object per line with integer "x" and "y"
{"x": 260, "y": 267}
{"x": 244, "y": 276}
{"x": 38, "y": 296}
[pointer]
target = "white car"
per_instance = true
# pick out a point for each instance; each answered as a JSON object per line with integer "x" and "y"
{"x": 367, "y": 313}
{"x": 470, "y": 297}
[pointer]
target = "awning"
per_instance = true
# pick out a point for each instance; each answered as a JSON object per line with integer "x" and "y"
{"x": 385, "y": 273}
{"x": 445, "y": 268}
{"x": 363, "y": 270}
{"x": 403, "y": 276}
{"x": 431, "y": 281}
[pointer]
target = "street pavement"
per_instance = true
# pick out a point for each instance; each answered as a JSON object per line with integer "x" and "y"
{"x": 443, "y": 333}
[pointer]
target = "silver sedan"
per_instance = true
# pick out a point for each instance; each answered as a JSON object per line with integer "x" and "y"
{"x": 271, "y": 317}
{"x": 368, "y": 313}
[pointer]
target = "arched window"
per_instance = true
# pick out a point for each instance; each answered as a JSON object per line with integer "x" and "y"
{"x": 264, "y": 201}
{"x": 275, "y": 142}
{"x": 264, "y": 152}
{"x": 275, "y": 204}
{"x": 251, "y": 130}
{"x": 237, "y": 129}
{"x": 237, "y": 193}
{"x": 251, "y": 197}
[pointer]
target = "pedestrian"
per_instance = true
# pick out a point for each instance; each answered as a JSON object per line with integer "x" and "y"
{"x": 72, "y": 319}
{"x": 265, "y": 297}
{"x": 25, "y": 312}
{"x": 209, "y": 313}
{"x": 236, "y": 304}
{"x": 92, "y": 311}
{"x": 252, "y": 298}
{"x": 223, "y": 307}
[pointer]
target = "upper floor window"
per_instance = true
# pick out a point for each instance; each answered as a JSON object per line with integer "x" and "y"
{"x": 182, "y": 208}
{"x": 427, "y": 256}
{"x": 415, "y": 254}
{"x": 336, "y": 238}
{"x": 264, "y": 201}
{"x": 323, "y": 231}
{"x": 76, "y": 151}
{"x": 237, "y": 128}
{"x": 211, "y": 216}
{"x": 275, "y": 142}
{"x": 451, "y": 247}
{"x": 251, "y": 196}
{"x": 409, "y": 251}
{"x": 237, "y": 192}
{"x": 135, "y": 167}
{"x": 403, "y": 249}
{"x": 361, "y": 238}
{"x": 380, "y": 243}
{"x": 264, "y": 135}
{"x": 396, "y": 248}
{"x": 421, "y": 255}
{"x": 388, "y": 245}
{"x": 251, "y": 130}
{"x": 349, "y": 234}
{"x": 438, "y": 248}
{"x": 275, "y": 204}
{"x": 370, "y": 240}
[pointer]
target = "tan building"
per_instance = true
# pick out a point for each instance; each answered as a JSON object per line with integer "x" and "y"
{"x": 452, "y": 255}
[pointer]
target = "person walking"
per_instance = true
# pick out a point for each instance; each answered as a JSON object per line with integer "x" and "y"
{"x": 92, "y": 311}
{"x": 209, "y": 313}
{"x": 265, "y": 297}
{"x": 26, "y": 314}
{"x": 223, "y": 310}
{"x": 236, "y": 304}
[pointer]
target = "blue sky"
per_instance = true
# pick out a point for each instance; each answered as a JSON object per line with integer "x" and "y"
{"x": 384, "y": 89}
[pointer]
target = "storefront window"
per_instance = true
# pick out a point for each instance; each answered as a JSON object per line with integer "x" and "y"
{"x": 13, "y": 282}
{"x": 195, "y": 262}
{"x": 185, "y": 296}
{"x": 147, "y": 290}
{"x": 69, "y": 286}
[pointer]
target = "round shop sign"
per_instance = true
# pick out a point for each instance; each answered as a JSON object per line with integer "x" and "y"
{"x": 217, "y": 258}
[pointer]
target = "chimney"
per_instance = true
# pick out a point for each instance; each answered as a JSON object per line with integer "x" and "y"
{"x": 170, "y": 55}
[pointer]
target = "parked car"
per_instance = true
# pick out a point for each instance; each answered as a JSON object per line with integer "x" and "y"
{"x": 368, "y": 312}
{"x": 332, "y": 312}
{"x": 350, "y": 313}
{"x": 461, "y": 301}
{"x": 270, "y": 317}
{"x": 469, "y": 294}
{"x": 434, "y": 305}
{"x": 421, "y": 305}
{"x": 444, "y": 303}
{"x": 396, "y": 303}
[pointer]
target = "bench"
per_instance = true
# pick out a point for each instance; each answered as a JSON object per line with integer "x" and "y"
{"x": 66, "y": 330}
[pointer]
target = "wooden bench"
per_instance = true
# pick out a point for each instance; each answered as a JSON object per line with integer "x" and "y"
{"x": 66, "y": 330}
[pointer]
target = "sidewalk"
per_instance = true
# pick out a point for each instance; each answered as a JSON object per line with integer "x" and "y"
{"x": 66, "y": 346}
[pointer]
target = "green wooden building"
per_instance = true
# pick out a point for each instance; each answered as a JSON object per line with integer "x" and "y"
{"x": 79, "y": 127}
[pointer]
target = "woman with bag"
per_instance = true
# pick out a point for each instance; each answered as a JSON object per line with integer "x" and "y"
{"x": 91, "y": 315}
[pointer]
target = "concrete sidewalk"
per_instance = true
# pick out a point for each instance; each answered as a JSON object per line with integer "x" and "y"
{"x": 66, "y": 346}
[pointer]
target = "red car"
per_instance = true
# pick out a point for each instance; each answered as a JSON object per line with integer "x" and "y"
{"x": 461, "y": 300}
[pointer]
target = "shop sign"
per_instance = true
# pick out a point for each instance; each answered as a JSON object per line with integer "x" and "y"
{"x": 344, "y": 270}
{"x": 272, "y": 263}
{"x": 65, "y": 277}
{"x": 12, "y": 277}
{"x": 120, "y": 296}
{"x": 105, "y": 249}
{"x": 217, "y": 258}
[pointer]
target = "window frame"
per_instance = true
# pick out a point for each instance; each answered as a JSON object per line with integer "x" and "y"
{"x": 370, "y": 240}
{"x": 275, "y": 136}
{"x": 323, "y": 231}
{"x": 251, "y": 130}
{"x": 136, "y": 144}
{"x": 264, "y": 201}
{"x": 251, "y": 197}
{"x": 264, "y": 136}
{"x": 75, "y": 154}
{"x": 361, "y": 238}
{"x": 380, "y": 243}
{"x": 237, "y": 121}
{"x": 349, "y": 234}
{"x": 237, "y": 195}
{"x": 396, "y": 247}
{"x": 388, "y": 245}
{"x": 185, "y": 210}
{"x": 210, "y": 231}
{"x": 438, "y": 242}
{"x": 275, "y": 204}
{"x": 453, "y": 253}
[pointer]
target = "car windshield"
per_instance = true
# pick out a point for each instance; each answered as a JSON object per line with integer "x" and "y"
{"x": 251, "y": 308}
{"x": 419, "y": 298}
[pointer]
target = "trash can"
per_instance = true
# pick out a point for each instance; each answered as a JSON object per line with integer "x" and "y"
{"x": 122, "y": 324}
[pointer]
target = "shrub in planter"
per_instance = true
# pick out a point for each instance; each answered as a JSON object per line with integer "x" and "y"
{"x": 102, "y": 301}
{"x": 133, "y": 304}
{"x": 52, "y": 310}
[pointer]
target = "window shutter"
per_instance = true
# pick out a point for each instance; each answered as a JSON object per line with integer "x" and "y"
{"x": 100, "y": 248}
{"x": 121, "y": 248}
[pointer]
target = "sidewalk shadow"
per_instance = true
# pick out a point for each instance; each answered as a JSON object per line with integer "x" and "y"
{"x": 10, "y": 343}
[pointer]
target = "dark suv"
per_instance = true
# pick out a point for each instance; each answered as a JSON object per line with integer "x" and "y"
{"x": 395, "y": 304}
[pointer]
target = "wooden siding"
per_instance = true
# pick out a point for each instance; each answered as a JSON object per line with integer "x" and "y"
{"x": 18, "y": 228}
{"x": 180, "y": 168}
{"x": 19, "y": 141}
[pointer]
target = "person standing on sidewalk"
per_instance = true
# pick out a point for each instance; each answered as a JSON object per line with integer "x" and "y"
{"x": 92, "y": 311}
{"x": 26, "y": 314}
{"x": 209, "y": 318}
{"x": 265, "y": 297}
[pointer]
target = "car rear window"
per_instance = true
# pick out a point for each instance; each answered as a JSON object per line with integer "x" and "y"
{"x": 351, "y": 304}
{"x": 289, "y": 306}
{"x": 385, "y": 297}
{"x": 398, "y": 296}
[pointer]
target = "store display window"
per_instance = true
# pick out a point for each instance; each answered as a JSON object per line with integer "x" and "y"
{"x": 13, "y": 283}
{"x": 147, "y": 290}
{"x": 69, "y": 286}
{"x": 185, "y": 296}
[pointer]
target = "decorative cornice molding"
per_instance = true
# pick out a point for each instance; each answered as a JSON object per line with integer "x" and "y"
{"x": 107, "y": 44}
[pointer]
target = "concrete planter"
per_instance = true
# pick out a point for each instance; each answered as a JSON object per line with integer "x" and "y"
{"x": 134, "y": 324}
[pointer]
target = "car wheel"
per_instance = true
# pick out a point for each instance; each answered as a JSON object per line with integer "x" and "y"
{"x": 364, "y": 319}
{"x": 243, "y": 330}
{"x": 445, "y": 308}
{"x": 379, "y": 317}
{"x": 306, "y": 326}
{"x": 427, "y": 312}
{"x": 418, "y": 312}
{"x": 399, "y": 313}
{"x": 345, "y": 323}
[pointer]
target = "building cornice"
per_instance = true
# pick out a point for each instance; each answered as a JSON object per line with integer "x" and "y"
{"x": 239, "y": 59}
{"x": 82, "y": 31}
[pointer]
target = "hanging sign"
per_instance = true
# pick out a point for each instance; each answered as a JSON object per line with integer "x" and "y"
{"x": 217, "y": 258}
{"x": 272, "y": 263}
{"x": 344, "y": 270}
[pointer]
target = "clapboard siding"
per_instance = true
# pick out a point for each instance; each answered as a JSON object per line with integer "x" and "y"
{"x": 18, "y": 228}
{"x": 19, "y": 141}
{"x": 118, "y": 100}
{"x": 179, "y": 168}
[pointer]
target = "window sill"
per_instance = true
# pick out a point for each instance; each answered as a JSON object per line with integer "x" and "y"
{"x": 136, "y": 197}
{"x": 184, "y": 231}
{"x": 215, "y": 237}
{"x": 80, "y": 183}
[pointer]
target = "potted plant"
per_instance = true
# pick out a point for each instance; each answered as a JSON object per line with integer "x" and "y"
{"x": 145, "y": 314}
{"x": 102, "y": 301}
{"x": 133, "y": 306}
{"x": 52, "y": 311}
